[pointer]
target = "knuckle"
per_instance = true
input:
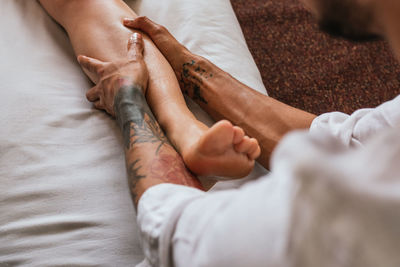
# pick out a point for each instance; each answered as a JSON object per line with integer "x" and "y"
{"x": 144, "y": 19}
{"x": 133, "y": 59}
{"x": 101, "y": 71}
{"x": 159, "y": 29}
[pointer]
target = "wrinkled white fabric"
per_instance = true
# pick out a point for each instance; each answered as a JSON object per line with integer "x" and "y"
{"x": 64, "y": 198}
{"x": 332, "y": 199}
{"x": 354, "y": 130}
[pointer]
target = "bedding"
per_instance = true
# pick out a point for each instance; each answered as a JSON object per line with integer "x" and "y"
{"x": 64, "y": 198}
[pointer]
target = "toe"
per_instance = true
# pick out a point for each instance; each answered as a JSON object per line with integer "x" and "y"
{"x": 244, "y": 145}
{"x": 254, "y": 151}
{"x": 225, "y": 123}
{"x": 238, "y": 135}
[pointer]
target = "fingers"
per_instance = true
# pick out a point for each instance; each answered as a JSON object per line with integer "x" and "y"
{"x": 144, "y": 24}
{"x": 172, "y": 50}
{"x": 135, "y": 46}
{"x": 98, "y": 105}
{"x": 91, "y": 64}
{"x": 162, "y": 38}
{"x": 93, "y": 94}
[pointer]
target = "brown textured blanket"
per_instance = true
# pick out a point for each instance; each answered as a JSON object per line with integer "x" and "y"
{"x": 310, "y": 70}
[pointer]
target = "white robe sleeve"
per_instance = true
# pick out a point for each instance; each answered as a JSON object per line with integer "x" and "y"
{"x": 181, "y": 226}
{"x": 353, "y": 130}
{"x": 158, "y": 211}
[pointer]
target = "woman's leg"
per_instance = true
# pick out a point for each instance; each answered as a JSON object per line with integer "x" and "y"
{"x": 95, "y": 29}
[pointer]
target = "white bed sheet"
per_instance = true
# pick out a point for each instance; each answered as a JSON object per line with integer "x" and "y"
{"x": 64, "y": 199}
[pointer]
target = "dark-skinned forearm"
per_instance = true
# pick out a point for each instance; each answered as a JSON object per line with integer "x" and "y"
{"x": 224, "y": 97}
{"x": 150, "y": 158}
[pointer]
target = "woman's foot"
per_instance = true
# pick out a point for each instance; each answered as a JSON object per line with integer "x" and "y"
{"x": 222, "y": 150}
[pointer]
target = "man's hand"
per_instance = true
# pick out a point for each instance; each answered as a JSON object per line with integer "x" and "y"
{"x": 173, "y": 51}
{"x": 114, "y": 75}
{"x": 192, "y": 71}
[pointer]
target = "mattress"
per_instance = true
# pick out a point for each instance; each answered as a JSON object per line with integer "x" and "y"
{"x": 64, "y": 198}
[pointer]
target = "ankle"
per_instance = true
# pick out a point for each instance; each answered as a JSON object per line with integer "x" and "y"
{"x": 185, "y": 136}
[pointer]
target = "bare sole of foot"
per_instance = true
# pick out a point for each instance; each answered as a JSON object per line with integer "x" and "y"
{"x": 222, "y": 150}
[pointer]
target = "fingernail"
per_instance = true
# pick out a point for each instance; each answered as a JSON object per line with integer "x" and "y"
{"x": 134, "y": 37}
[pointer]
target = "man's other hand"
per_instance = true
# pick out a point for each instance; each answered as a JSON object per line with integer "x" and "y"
{"x": 114, "y": 75}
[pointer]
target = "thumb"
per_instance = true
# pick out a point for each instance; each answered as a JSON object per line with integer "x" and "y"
{"x": 142, "y": 23}
{"x": 149, "y": 27}
{"x": 135, "y": 46}
{"x": 91, "y": 64}
{"x": 162, "y": 38}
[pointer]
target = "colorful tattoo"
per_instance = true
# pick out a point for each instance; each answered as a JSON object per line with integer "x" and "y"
{"x": 169, "y": 167}
{"x": 142, "y": 131}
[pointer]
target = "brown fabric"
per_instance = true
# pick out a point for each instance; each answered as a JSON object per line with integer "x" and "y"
{"x": 310, "y": 70}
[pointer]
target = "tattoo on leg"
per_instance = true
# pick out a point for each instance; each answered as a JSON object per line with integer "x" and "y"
{"x": 140, "y": 128}
{"x": 133, "y": 173}
{"x": 169, "y": 167}
{"x": 192, "y": 79}
{"x": 148, "y": 132}
{"x": 135, "y": 118}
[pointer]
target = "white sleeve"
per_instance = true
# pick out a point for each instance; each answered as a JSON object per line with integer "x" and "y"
{"x": 158, "y": 210}
{"x": 180, "y": 225}
{"x": 353, "y": 130}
